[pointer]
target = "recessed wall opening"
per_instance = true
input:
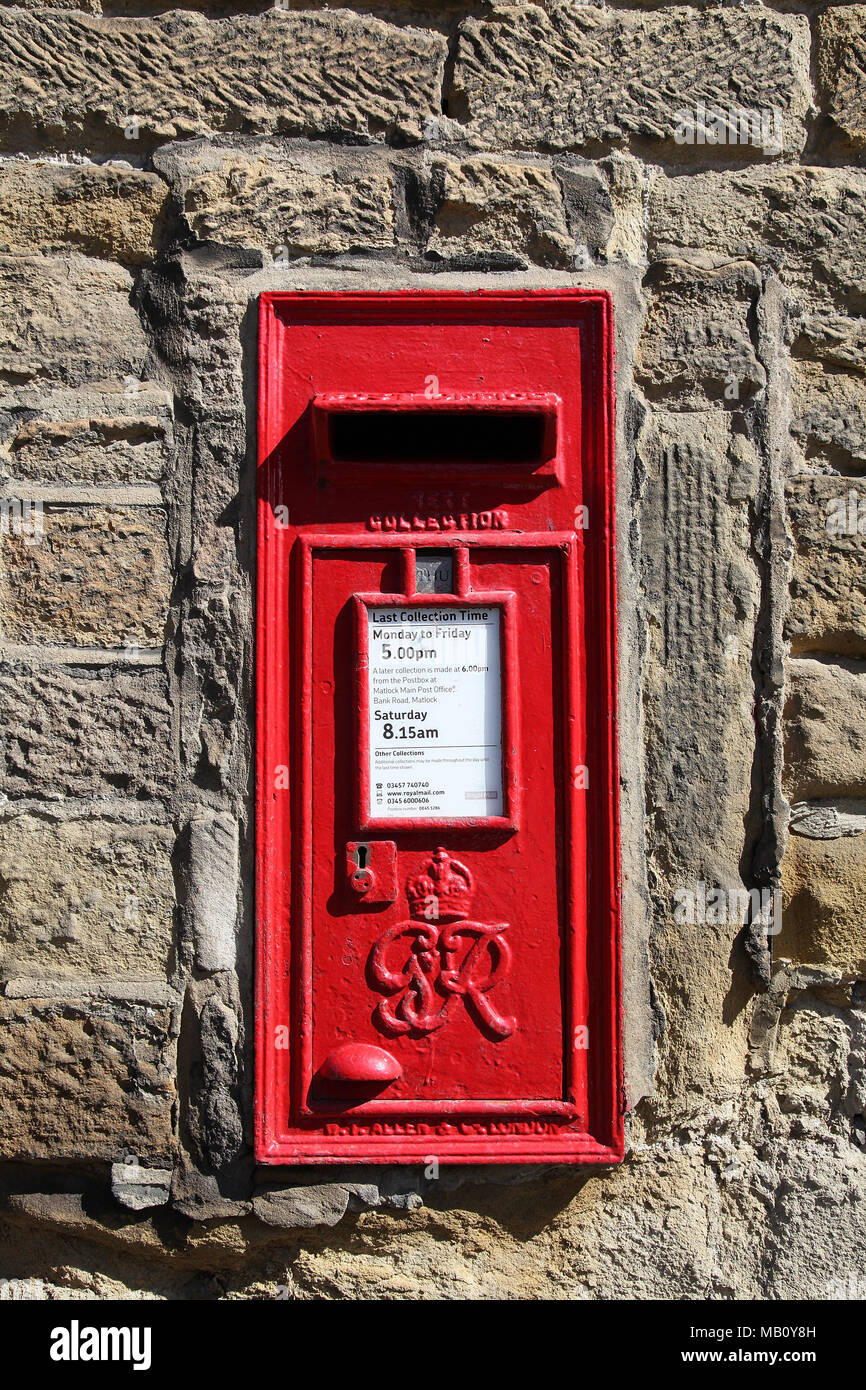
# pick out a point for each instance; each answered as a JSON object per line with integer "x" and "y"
{"x": 448, "y": 436}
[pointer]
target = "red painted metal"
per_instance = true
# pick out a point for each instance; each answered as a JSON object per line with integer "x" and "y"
{"x": 468, "y": 1009}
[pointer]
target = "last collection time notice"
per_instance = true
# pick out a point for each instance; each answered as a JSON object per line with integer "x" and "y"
{"x": 435, "y": 712}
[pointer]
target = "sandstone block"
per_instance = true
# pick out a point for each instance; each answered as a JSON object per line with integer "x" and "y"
{"x": 841, "y": 51}
{"x": 701, "y": 595}
{"x": 290, "y": 206}
{"x": 75, "y": 76}
{"x": 84, "y": 733}
{"x": 696, "y": 347}
{"x": 106, "y": 211}
{"x": 214, "y": 875}
{"x": 485, "y": 205}
{"x": 825, "y": 728}
{"x": 834, "y": 339}
{"x": 97, "y": 576}
{"x": 85, "y": 898}
{"x": 85, "y": 1079}
{"x": 829, "y": 414}
{"x": 827, "y": 603}
{"x": 808, "y": 223}
{"x": 626, "y": 182}
{"x": 568, "y": 74}
{"x": 95, "y": 449}
{"x": 824, "y": 888}
{"x": 67, "y": 319}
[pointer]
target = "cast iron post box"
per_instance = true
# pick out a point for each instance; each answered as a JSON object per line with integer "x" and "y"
{"x": 438, "y": 882}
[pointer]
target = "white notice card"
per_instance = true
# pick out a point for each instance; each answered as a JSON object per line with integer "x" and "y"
{"x": 435, "y": 712}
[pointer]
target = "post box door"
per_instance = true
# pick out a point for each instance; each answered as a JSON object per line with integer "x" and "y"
{"x": 458, "y": 979}
{"x": 437, "y": 904}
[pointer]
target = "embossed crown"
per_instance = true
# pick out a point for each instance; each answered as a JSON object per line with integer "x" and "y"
{"x": 442, "y": 892}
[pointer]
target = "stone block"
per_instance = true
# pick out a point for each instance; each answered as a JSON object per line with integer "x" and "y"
{"x": 301, "y": 1208}
{"x": 809, "y": 223}
{"x": 98, "y": 576}
{"x": 67, "y": 319}
{"x": 312, "y": 202}
{"x": 829, "y": 414}
{"x": 696, "y": 347}
{"x": 85, "y": 733}
{"x": 841, "y": 64}
{"x": 130, "y": 448}
{"x": 571, "y": 75}
{"x": 701, "y": 593}
{"x": 827, "y": 600}
{"x": 86, "y": 1079}
{"x": 825, "y": 728}
{"x": 140, "y": 1188}
{"x": 85, "y": 899}
{"x": 214, "y": 875}
{"x": 156, "y": 77}
{"x": 834, "y": 339}
{"x": 824, "y": 889}
{"x": 106, "y": 211}
{"x": 490, "y": 205}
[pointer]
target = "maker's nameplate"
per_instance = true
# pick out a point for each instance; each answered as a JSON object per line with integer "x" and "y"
{"x": 435, "y": 712}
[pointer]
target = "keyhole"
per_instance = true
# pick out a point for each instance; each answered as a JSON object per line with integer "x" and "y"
{"x": 362, "y": 856}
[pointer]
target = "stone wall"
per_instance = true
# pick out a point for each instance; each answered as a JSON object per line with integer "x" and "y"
{"x": 158, "y": 170}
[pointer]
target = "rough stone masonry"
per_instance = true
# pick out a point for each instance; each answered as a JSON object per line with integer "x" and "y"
{"x": 158, "y": 170}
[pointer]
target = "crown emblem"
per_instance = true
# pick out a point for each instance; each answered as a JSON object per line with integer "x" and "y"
{"x": 442, "y": 892}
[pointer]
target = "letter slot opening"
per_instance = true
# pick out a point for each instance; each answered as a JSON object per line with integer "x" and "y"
{"x": 490, "y": 436}
{"x": 454, "y": 436}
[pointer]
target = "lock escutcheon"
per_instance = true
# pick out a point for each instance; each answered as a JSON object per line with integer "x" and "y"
{"x": 371, "y": 871}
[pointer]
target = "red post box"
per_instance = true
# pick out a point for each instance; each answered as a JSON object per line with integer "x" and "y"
{"x": 438, "y": 880}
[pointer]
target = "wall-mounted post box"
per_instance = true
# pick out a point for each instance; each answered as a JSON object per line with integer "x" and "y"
{"x": 438, "y": 881}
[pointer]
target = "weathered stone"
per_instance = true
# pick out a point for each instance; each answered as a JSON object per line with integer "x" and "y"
{"x": 401, "y": 1190}
{"x": 201, "y": 1196}
{"x": 85, "y": 899}
{"x": 571, "y": 74}
{"x": 215, "y": 642}
{"x": 98, "y": 575}
{"x": 696, "y": 348}
{"x": 824, "y": 887}
{"x": 829, "y": 414}
{"x": 85, "y": 1080}
{"x": 834, "y": 339}
{"x": 313, "y": 201}
{"x": 177, "y": 74}
{"x": 841, "y": 53}
{"x": 485, "y": 204}
{"x": 108, "y": 449}
{"x": 67, "y": 319}
{"x": 810, "y": 223}
{"x": 84, "y": 733}
{"x": 140, "y": 1188}
{"x": 827, "y": 605}
{"x": 211, "y": 1116}
{"x": 701, "y": 597}
{"x": 214, "y": 872}
{"x": 813, "y": 1058}
{"x": 106, "y": 211}
{"x": 299, "y": 1208}
{"x": 627, "y": 181}
{"x": 828, "y": 820}
{"x": 825, "y": 728}
{"x": 90, "y": 6}
{"x": 589, "y": 208}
